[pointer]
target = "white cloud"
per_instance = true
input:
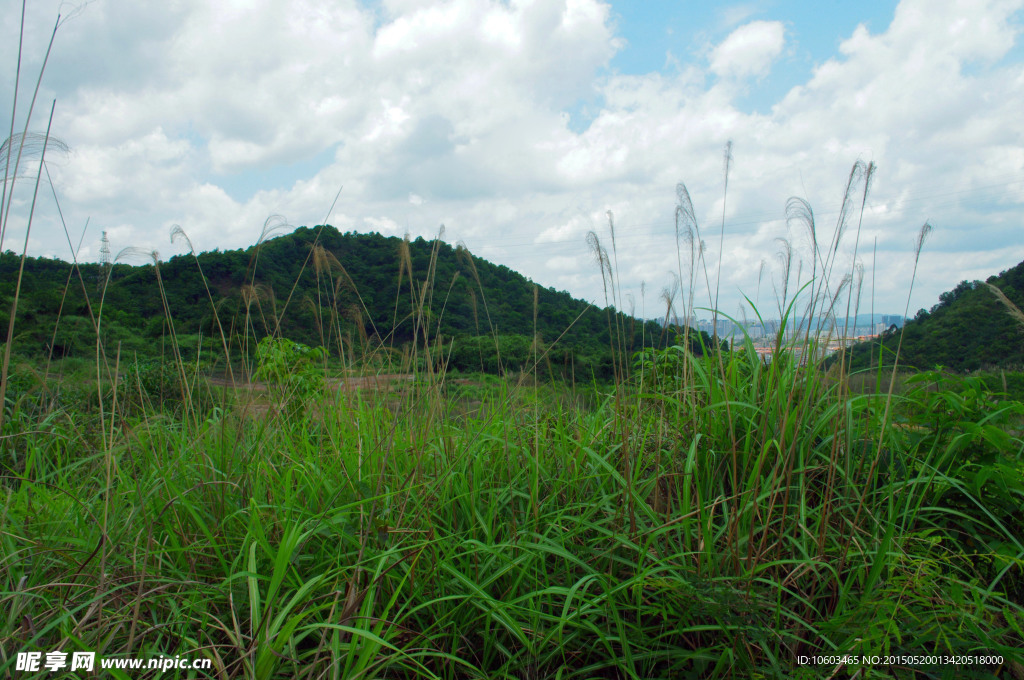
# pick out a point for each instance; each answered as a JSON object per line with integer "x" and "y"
{"x": 562, "y": 263}
{"x": 384, "y": 225}
{"x": 749, "y": 50}
{"x": 456, "y": 113}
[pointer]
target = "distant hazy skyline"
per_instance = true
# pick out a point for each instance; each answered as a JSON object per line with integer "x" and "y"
{"x": 519, "y": 124}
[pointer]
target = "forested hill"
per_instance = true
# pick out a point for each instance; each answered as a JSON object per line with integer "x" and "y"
{"x": 354, "y": 290}
{"x": 969, "y": 329}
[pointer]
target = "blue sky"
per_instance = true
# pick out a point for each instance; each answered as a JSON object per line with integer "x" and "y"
{"x": 518, "y": 125}
{"x": 661, "y": 35}
{"x": 656, "y": 29}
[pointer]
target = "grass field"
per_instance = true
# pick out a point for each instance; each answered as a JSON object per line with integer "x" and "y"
{"x": 703, "y": 515}
{"x": 702, "y": 519}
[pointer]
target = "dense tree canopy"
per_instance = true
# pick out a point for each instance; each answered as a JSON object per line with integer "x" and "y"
{"x": 322, "y": 288}
{"x": 967, "y": 330}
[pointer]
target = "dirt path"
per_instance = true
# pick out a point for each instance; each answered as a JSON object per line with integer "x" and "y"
{"x": 373, "y": 382}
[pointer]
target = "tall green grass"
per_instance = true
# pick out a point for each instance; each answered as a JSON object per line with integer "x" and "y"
{"x": 399, "y": 533}
{"x": 708, "y": 515}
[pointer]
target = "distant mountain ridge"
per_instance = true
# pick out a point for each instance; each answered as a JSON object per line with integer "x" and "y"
{"x": 352, "y": 288}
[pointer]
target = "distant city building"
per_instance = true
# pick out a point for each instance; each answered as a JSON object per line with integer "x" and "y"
{"x": 835, "y": 329}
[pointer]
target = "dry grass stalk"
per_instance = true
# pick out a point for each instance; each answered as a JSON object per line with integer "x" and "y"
{"x": 1013, "y": 310}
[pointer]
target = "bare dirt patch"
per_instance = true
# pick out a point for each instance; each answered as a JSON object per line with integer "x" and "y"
{"x": 255, "y": 398}
{"x": 374, "y": 382}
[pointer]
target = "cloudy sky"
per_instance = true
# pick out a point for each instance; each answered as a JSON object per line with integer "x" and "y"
{"x": 519, "y": 124}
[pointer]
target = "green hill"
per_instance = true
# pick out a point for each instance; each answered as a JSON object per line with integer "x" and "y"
{"x": 346, "y": 292}
{"x": 969, "y": 329}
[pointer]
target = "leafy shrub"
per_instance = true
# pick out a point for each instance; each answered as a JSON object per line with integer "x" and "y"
{"x": 290, "y": 370}
{"x": 972, "y": 432}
